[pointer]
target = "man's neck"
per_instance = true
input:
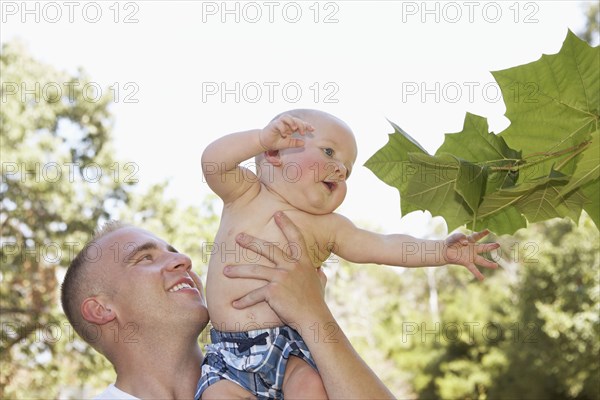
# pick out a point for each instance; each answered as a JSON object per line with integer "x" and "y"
{"x": 160, "y": 369}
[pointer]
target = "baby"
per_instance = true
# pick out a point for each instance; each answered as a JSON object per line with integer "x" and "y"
{"x": 303, "y": 159}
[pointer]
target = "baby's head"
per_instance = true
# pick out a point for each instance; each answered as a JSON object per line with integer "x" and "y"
{"x": 312, "y": 178}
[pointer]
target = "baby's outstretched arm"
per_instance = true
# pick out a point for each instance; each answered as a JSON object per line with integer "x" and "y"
{"x": 361, "y": 246}
{"x": 221, "y": 159}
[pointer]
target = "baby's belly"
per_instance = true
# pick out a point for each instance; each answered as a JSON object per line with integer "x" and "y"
{"x": 221, "y": 291}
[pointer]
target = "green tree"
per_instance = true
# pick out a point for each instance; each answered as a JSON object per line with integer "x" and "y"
{"x": 591, "y": 33}
{"x": 57, "y": 177}
{"x": 529, "y": 331}
{"x": 60, "y": 181}
{"x": 558, "y": 297}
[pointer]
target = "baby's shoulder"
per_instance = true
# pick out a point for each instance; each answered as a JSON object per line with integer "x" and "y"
{"x": 321, "y": 227}
{"x": 256, "y": 194}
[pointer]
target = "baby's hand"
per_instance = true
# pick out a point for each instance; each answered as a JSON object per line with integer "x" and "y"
{"x": 464, "y": 250}
{"x": 278, "y": 134}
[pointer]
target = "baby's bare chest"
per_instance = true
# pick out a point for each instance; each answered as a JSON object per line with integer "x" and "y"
{"x": 257, "y": 220}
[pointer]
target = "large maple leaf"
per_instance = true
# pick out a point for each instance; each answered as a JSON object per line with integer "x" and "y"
{"x": 544, "y": 165}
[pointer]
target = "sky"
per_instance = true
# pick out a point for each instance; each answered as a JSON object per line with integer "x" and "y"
{"x": 187, "y": 72}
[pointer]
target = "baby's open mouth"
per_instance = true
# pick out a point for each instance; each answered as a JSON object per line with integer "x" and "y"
{"x": 330, "y": 185}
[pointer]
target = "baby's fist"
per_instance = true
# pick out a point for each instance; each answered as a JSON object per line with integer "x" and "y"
{"x": 278, "y": 134}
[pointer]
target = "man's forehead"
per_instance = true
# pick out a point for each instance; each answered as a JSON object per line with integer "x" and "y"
{"x": 129, "y": 238}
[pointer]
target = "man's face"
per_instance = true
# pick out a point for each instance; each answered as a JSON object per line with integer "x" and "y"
{"x": 149, "y": 283}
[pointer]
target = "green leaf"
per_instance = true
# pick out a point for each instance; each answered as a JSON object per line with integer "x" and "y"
{"x": 483, "y": 145}
{"x": 536, "y": 200}
{"x": 588, "y": 166}
{"x": 543, "y": 166}
{"x": 391, "y": 163}
{"x": 591, "y": 190}
{"x": 504, "y": 221}
{"x": 470, "y": 183}
{"x": 476, "y": 144}
{"x": 434, "y": 185}
{"x": 546, "y": 203}
{"x": 553, "y": 103}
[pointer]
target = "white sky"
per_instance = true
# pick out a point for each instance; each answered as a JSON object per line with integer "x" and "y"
{"x": 421, "y": 65}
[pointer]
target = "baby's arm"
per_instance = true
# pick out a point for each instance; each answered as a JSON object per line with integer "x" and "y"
{"x": 221, "y": 159}
{"x": 362, "y": 246}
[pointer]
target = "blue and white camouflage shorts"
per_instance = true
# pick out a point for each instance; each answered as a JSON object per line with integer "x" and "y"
{"x": 255, "y": 360}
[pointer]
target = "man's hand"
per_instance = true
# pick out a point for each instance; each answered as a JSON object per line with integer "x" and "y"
{"x": 464, "y": 250}
{"x": 294, "y": 289}
{"x": 294, "y": 292}
{"x": 278, "y": 134}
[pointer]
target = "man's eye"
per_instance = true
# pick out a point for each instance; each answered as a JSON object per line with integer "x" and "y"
{"x": 145, "y": 257}
{"x": 328, "y": 151}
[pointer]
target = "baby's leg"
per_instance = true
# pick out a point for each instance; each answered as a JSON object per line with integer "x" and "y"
{"x": 301, "y": 381}
{"x": 225, "y": 390}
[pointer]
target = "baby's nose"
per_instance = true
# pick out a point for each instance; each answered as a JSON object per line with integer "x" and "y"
{"x": 337, "y": 170}
{"x": 342, "y": 171}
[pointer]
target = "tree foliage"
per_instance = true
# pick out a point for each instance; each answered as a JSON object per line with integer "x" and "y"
{"x": 60, "y": 181}
{"x": 558, "y": 297}
{"x": 529, "y": 331}
{"x": 544, "y": 165}
{"x": 50, "y": 138}
{"x": 591, "y": 33}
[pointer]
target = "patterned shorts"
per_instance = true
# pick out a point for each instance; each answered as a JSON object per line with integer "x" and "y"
{"x": 255, "y": 360}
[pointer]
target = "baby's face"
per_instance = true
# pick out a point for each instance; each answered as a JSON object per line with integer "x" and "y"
{"x": 314, "y": 176}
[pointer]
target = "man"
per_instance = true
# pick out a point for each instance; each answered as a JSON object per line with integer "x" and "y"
{"x": 136, "y": 300}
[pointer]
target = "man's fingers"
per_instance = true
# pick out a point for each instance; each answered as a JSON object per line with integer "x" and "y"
{"x": 269, "y": 250}
{"x": 292, "y": 234}
{"x": 252, "y": 271}
{"x": 250, "y": 299}
{"x": 292, "y": 251}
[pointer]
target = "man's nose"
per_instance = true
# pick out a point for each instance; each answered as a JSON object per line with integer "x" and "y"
{"x": 179, "y": 261}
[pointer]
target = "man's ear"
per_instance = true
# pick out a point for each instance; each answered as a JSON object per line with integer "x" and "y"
{"x": 273, "y": 157}
{"x": 96, "y": 311}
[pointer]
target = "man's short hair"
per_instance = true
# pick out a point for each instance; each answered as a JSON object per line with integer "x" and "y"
{"x": 80, "y": 283}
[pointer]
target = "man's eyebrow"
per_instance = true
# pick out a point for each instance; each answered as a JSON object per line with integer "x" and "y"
{"x": 147, "y": 246}
{"x": 140, "y": 248}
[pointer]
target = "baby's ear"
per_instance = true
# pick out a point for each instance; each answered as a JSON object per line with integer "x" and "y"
{"x": 273, "y": 157}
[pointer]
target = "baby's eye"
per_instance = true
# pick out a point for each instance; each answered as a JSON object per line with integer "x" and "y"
{"x": 328, "y": 151}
